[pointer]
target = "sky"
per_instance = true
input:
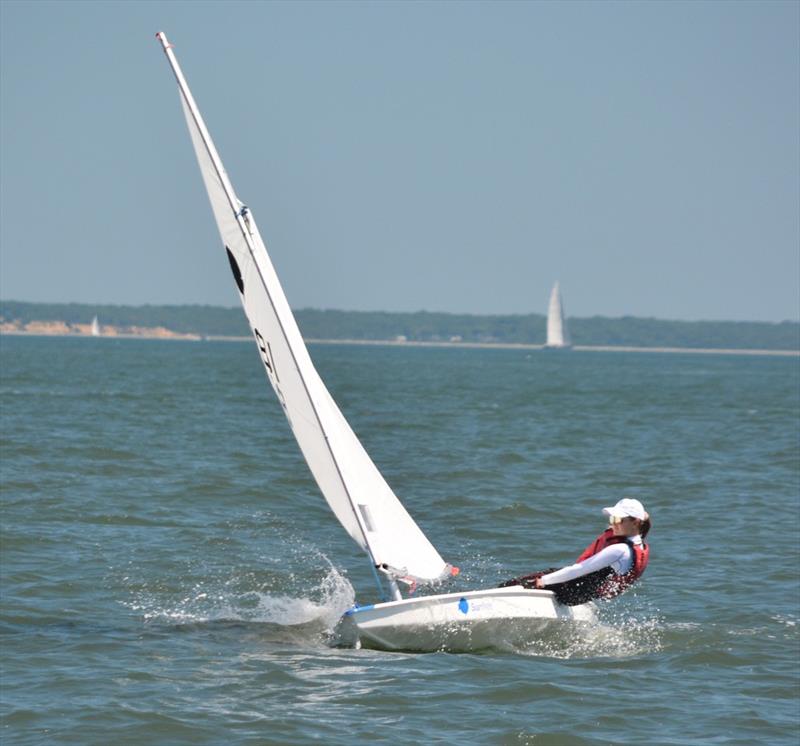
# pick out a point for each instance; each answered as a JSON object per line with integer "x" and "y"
{"x": 456, "y": 157}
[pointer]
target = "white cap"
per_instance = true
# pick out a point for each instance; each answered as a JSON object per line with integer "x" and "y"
{"x": 627, "y": 507}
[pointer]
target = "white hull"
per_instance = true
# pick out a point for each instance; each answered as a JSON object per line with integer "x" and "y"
{"x": 472, "y": 620}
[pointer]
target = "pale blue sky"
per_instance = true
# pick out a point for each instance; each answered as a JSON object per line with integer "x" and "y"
{"x": 404, "y": 156}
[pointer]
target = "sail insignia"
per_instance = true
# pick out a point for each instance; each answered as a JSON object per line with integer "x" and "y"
{"x": 237, "y": 273}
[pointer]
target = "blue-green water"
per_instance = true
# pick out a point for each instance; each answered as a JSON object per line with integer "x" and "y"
{"x": 170, "y": 573}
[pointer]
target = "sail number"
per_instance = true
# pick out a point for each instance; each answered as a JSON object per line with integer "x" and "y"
{"x": 269, "y": 363}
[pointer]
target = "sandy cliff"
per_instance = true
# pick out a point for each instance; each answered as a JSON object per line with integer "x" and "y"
{"x": 62, "y": 328}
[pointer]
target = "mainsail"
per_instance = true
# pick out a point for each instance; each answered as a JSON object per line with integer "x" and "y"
{"x": 349, "y": 480}
{"x": 557, "y": 334}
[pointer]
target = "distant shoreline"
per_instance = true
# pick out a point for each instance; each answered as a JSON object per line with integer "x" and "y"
{"x": 160, "y": 336}
{"x": 576, "y": 348}
{"x": 525, "y": 331}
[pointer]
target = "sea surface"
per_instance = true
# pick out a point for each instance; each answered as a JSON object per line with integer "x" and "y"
{"x": 171, "y": 575}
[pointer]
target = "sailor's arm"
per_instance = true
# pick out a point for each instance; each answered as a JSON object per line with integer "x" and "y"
{"x": 616, "y": 553}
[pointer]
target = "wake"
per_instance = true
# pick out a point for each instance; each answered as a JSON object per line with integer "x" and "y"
{"x": 310, "y": 614}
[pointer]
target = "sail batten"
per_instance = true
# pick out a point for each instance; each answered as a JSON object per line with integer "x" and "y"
{"x": 350, "y": 482}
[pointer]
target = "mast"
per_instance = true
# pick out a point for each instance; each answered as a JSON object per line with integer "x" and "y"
{"x": 201, "y": 126}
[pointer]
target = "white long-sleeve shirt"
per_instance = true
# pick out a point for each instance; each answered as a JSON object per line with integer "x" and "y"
{"x": 618, "y": 556}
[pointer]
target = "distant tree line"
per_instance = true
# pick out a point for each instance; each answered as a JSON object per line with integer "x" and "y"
{"x": 427, "y": 326}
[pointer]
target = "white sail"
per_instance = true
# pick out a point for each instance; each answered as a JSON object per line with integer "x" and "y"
{"x": 557, "y": 334}
{"x": 95, "y": 327}
{"x": 351, "y": 483}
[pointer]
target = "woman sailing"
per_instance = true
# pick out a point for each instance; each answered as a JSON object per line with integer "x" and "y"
{"x": 607, "y": 567}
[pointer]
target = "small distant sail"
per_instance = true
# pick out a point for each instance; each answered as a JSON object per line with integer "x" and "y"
{"x": 557, "y": 334}
{"x": 95, "y": 327}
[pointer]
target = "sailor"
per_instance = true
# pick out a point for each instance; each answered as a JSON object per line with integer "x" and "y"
{"x": 607, "y": 567}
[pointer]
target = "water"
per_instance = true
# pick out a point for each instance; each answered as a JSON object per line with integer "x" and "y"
{"x": 171, "y": 575}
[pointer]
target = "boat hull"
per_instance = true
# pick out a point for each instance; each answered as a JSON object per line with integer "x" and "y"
{"x": 472, "y": 620}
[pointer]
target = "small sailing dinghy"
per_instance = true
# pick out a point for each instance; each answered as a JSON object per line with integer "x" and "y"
{"x": 402, "y": 558}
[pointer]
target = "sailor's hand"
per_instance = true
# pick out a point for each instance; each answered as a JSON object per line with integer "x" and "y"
{"x": 539, "y": 583}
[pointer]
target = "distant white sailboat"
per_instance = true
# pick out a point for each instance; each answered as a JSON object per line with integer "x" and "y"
{"x": 557, "y": 333}
{"x": 95, "y": 327}
{"x": 400, "y": 554}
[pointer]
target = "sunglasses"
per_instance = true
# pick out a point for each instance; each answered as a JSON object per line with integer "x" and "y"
{"x": 614, "y": 519}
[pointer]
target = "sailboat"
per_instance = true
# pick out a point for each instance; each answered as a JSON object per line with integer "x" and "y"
{"x": 95, "y": 329}
{"x": 557, "y": 333}
{"x": 402, "y": 559}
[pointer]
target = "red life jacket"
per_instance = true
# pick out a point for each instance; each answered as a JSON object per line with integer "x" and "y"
{"x": 616, "y": 584}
